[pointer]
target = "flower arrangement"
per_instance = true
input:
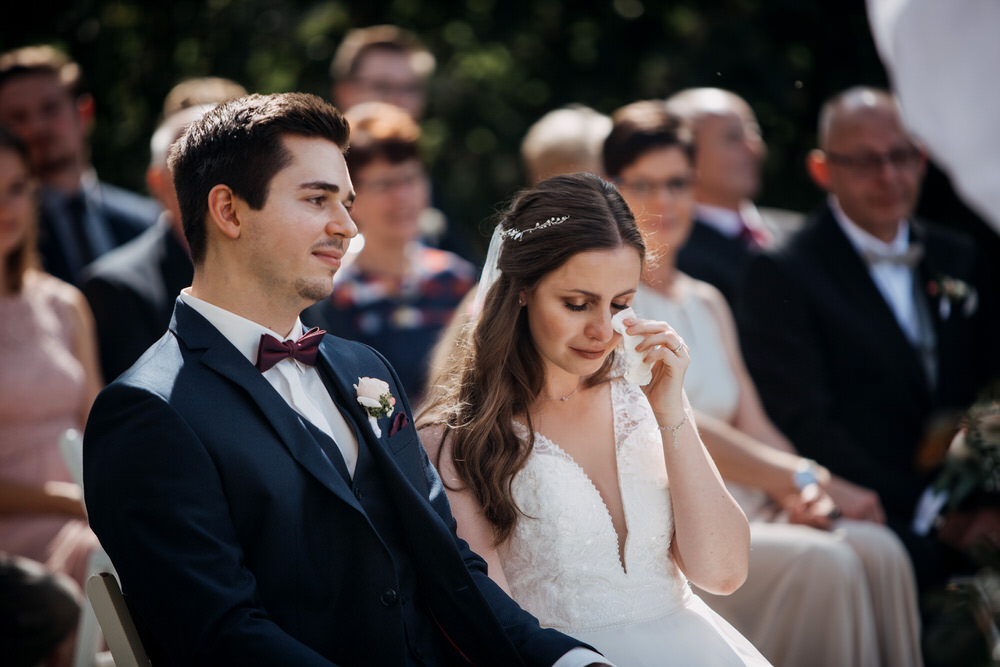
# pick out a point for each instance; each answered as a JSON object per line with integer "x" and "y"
{"x": 973, "y": 461}
{"x": 375, "y": 398}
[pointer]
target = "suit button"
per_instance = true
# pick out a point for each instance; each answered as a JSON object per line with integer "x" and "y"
{"x": 357, "y": 493}
{"x": 389, "y": 597}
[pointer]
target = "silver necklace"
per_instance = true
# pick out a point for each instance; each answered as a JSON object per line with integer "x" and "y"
{"x": 567, "y": 396}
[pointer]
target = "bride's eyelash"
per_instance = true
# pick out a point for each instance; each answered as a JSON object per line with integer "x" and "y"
{"x": 577, "y": 308}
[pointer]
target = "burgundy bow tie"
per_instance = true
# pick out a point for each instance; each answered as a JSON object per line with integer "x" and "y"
{"x": 305, "y": 349}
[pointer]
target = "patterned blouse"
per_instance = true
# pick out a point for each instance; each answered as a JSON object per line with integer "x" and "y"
{"x": 402, "y": 317}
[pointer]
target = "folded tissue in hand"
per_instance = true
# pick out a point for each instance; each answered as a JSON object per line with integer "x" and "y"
{"x": 637, "y": 371}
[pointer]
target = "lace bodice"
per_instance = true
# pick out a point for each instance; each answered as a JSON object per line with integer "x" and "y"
{"x": 562, "y": 562}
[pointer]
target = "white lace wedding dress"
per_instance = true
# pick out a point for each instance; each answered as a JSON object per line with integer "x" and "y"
{"x": 563, "y": 565}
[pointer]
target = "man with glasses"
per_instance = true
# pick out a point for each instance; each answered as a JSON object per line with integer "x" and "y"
{"x": 381, "y": 63}
{"x": 729, "y": 153}
{"x": 870, "y": 324}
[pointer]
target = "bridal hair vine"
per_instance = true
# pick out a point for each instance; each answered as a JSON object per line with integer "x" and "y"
{"x": 518, "y": 234}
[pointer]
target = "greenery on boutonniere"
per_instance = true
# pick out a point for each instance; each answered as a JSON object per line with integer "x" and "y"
{"x": 949, "y": 290}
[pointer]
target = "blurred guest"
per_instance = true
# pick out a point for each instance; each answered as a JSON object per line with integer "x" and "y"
{"x": 565, "y": 141}
{"x": 385, "y": 63}
{"x": 49, "y": 379}
{"x": 199, "y": 91}
{"x": 396, "y": 294}
{"x": 381, "y": 63}
{"x": 42, "y": 100}
{"x": 819, "y": 591}
{"x": 870, "y": 323}
{"x": 38, "y": 612}
{"x": 729, "y": 152}
{"x": 132, "y": 289}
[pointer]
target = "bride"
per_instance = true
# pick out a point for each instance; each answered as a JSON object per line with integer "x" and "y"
{"x": 592, "y": 499}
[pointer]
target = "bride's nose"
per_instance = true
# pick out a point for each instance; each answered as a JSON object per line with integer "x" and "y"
{"x": 599, "y": 326}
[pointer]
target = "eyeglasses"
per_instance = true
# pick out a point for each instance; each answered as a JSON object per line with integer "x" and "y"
{"x": 380, "y": 186}
{"x": 676, "y": 186}
{"x": 871, "y": 164}
{"x": 388, "y": 89}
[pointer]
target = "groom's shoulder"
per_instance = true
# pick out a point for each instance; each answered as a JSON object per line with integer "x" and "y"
{"x": 347, "y": 350}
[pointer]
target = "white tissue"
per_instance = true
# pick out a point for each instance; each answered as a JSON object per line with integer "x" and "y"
{"x": 637, "y": 371}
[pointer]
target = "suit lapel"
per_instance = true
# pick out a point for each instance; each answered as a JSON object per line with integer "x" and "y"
{"x": 850, "y": 274}
{"x": 220, "y": 356}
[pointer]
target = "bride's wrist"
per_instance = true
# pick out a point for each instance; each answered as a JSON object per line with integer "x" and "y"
{"x": 669, "y": 425}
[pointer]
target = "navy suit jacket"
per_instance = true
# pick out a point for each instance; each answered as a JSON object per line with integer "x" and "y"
{"x": 835, "y": 370}
{"x": 722, "y": 260}
{"x": 238, "y": 542}
{"x": 131, "y": 291}
{"x": 123, "y": 215}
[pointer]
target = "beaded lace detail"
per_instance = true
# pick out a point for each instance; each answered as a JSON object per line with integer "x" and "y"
{"x": 562, "y": 562}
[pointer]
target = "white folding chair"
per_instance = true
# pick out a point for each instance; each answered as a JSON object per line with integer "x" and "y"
{"x": 88, "y": 634}
{"x": 116, "y": 621}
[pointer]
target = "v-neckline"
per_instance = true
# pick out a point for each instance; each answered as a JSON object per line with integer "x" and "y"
{"x": 621, "y": 544}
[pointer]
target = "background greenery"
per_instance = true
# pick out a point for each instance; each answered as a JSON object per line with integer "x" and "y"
{"x": 501, "y": 65}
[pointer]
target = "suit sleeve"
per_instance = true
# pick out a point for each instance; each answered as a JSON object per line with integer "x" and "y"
{"x": 156, "y": 502}
{"x": 784, "y": 354}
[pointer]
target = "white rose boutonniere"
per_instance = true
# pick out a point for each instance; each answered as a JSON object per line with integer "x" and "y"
{"x": 950, "y": 291}
{"x": 374, "y": 397}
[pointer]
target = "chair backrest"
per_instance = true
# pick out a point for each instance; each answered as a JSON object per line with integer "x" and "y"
{"x": 116, "y": 621}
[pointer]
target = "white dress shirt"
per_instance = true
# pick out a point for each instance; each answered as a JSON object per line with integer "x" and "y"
{"x": 299, "y": 384}
{"x": 894, "y": 281}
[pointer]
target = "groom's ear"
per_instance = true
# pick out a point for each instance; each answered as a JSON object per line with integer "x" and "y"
{"x": 224, "y": 211}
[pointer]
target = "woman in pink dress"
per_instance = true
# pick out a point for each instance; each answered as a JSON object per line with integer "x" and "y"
{"x": 48, "y": 379}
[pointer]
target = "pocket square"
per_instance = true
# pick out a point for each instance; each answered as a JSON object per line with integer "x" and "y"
{"x": 399, "y": 422}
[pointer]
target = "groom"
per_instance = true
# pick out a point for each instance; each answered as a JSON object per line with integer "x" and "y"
{"x": 262, "y": 515}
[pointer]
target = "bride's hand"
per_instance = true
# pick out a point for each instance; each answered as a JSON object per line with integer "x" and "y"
{"x": 666, "y": 350}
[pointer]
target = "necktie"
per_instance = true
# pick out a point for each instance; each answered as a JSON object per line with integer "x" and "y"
{"x": 909, "y": 259}
{"x": 753, "y": 237}
{"x": 305, "y": 349}
{"x": 76, "y": 207}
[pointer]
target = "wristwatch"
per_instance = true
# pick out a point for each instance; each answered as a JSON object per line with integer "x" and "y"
{"x": 806, "y": 473}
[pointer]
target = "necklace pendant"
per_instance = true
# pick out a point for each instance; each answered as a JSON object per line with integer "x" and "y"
{"x": 564, "y": 398}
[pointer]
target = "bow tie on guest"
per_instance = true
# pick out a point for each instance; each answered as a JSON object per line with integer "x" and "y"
{"x": 305, "y": 349}
{"x": 910, "y": 258}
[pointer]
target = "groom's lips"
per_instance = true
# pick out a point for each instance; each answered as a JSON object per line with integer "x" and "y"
{"x": 331, "y": 256}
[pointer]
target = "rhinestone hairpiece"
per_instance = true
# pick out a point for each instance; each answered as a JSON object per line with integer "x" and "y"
{"x": 517, "y": 234}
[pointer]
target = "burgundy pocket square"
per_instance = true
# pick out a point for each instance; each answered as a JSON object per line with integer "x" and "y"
{"x": 399, "y": 422}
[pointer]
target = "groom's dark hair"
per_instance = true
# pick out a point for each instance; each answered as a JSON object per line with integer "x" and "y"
{"x": 239, "y": 144}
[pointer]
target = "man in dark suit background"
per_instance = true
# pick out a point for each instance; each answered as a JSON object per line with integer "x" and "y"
{"x": 82, "y": 218}
{"x": 869, "y": 323}
{"x": 729, "y": 153}
{"x": 132, "y": 289}
{"x": 265, "y": 516}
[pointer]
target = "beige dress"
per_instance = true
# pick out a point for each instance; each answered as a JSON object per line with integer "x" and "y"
{"x": 812, "y": 597}
{"x": 41, "y": 390}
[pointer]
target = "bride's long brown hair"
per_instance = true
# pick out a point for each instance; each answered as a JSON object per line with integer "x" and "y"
{"x": 495, "y": 372}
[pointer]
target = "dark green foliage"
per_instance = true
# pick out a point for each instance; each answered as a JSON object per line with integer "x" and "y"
{"x": 500, "y": 67}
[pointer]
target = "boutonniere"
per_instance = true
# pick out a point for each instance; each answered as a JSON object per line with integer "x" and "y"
{"x": 950, "y": 291}
{"x": 374, "y": 397}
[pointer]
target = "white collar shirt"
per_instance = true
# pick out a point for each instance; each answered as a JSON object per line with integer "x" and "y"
{"x": 894, "y": 281}
{"x": 300, "y": 385}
